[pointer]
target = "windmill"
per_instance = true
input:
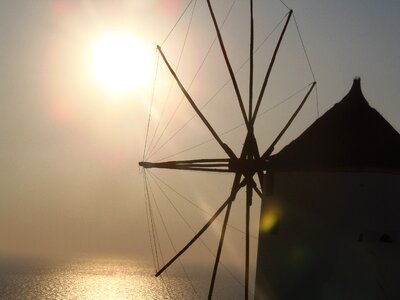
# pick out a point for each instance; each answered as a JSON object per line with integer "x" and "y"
{"x": 250, "y": 166}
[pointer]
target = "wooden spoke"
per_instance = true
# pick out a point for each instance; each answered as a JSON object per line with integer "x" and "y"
{"x": 208, "y": 165}
{"x": 221, "y": 242}
{"x": 224, "y": 146}
{"x": 228, "y": 64}
{"x": 260, "y": 97}
{"x": 249, "y": 199}
{"x": 256, "y": 189}
{"x": 232, "y": 196}
{"x": 251, "y": 61}
{"x": 271, "y": 148}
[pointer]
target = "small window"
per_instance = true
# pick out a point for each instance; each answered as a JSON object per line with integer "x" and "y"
{"x": 376, "y": 236}
{"x": 385, "y": 238}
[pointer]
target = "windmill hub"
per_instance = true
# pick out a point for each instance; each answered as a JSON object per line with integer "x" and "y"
{"x": 247, "y": 166}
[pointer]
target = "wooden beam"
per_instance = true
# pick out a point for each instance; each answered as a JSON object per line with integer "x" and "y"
{"x": 271, "y": 64}
{"x": 271, "y": 148}
{"x": 219, "y": 251}
{"x": 251, "y": 61}
{"x": 249, "y": 200}
{"x": 224, "y": 146}
{"x": 228, "y": 64}
{"x": 207, "y": 165}
{"x": 232, "y": 196}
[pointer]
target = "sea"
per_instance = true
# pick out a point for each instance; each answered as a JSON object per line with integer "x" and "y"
{"x": 103, "y": 279}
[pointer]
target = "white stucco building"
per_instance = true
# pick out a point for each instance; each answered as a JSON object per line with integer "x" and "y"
{"x": 330, "y": 220}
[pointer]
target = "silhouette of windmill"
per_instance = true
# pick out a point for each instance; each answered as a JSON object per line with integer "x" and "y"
{"x": 251, "y": 162}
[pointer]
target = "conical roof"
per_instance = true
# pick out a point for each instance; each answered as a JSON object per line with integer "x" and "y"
{"x": 351, "y": 135}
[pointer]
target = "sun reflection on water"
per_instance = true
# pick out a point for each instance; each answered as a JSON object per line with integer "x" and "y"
{"x": 105, "y": 279}
{"x": 83, "y": 280}
{"x": 103, "y": 287}
{"x": 112, "y": 281}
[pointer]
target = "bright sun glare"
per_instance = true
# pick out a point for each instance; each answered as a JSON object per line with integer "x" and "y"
{"x": 121, "y": 62}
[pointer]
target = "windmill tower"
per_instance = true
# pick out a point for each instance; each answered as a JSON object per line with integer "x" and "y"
{"x": 330, "y": 221}
{"x": 250, "y": 167}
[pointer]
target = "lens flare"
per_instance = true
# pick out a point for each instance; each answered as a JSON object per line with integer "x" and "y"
{"x": 269, "y": 219}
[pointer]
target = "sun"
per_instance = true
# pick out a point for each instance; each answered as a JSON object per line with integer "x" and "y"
{"x": 121, "y": 63}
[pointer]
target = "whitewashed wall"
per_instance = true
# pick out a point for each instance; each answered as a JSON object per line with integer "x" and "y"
{"x": 326, "y": 235}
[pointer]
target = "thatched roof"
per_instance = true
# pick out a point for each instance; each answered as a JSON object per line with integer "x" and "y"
{"x": 351, "y": 135}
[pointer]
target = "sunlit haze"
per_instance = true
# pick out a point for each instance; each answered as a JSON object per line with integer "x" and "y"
{"x": 121, "y": 62}
{"x": 70, "y": 181}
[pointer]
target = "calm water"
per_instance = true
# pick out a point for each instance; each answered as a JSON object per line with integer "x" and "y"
{"x": 99, "y": 279}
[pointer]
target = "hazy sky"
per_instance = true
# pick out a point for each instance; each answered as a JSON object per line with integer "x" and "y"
{"x": 69, "y": 178}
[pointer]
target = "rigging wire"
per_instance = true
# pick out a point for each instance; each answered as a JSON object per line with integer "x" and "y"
{"x": 152, "y": 153}
{"x": 176, "y": 68}
{"x": 186, "y": 35}
{"x": 191, "y": 228}
{"x": 236, "y": 127}
{"x": 156, "y": 63}
{"x": 284, "y": 4}
{"x": 285, "y": 100}
{"x": 162, "y": 112}
{"x": 190, "y": 85}
{"x": 153, "y": 235}
{"x": 195, "y": 205}
{"x": 171, "y": 242}
{"x": 165, "y": 280}
{"x": 304, "y": 47}
{"x": 170, "y": 293}
{"x": 316, "y": 99}
{"x": 172, "y": 82}
{"x": 149, "y": 226}
{"x": 309, "y": 63}
{"x": 176, "y": 23}
{"x": 172, "y": 204}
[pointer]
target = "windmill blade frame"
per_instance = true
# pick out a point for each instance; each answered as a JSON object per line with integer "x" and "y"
{"x": 248, "y": 165}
